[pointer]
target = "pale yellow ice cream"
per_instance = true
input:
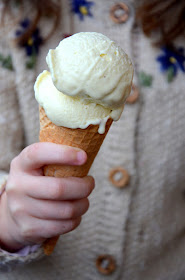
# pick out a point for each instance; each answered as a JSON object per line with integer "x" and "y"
{"x": 90, "y": 65}
{"x": 90, "y": 80}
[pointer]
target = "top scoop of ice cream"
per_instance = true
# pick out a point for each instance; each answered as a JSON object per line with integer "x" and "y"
{"x": 93, "y": 67}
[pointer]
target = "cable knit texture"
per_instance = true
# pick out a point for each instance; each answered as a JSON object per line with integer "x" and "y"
{"x": 142, "y": 226}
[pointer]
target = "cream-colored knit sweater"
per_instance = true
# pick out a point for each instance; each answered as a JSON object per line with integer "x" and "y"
{"x": 141, "y": 226}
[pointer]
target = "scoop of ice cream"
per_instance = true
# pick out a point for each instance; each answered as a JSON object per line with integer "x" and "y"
{"x": 67, "y": 111}
{"x": 91, "y": 66}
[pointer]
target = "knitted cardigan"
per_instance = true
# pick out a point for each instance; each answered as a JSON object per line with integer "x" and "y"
{"x": 141, "y": 226}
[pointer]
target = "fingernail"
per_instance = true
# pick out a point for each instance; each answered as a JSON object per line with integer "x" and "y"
{"x": 81, "y": 156}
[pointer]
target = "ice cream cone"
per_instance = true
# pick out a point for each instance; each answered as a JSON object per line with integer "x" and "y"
{"x": 87, "y": 139}
{"x": 89, "y": 81}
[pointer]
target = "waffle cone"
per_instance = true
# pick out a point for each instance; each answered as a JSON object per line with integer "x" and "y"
{"x": 87, "y": 139}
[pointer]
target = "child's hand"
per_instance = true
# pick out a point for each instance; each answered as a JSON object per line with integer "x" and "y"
{"x": 35, "y": 207}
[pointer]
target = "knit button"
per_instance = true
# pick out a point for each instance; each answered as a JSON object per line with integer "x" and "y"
{"x": 119, "y": 13}
{"x": 105, "y": 264}
{"x": 119, "y": 177}
{"x": 134, "y": 95}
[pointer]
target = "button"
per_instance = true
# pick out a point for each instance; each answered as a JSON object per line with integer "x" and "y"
{"x": 105, "y": 264}
{"x": 116, "y": 10}
{"x": 119, "y": 177}
{"x": 134, "y": 95}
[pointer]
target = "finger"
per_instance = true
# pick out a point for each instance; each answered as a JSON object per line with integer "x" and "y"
{"x": 71, "y": 188}
{"x": 34, "y": 230}
{"x": 39, "y": 154}
{"x": 55, "y": 210}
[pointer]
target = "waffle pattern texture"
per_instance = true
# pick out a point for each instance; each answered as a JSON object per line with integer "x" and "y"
{"x": 141, "y": 226}
{"x": 87, "y": 139}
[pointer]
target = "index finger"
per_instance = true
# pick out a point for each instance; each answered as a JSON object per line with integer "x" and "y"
{"x": 40, "y": 154}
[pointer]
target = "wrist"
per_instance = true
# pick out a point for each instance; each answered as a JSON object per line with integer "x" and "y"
{"x": 7, "y": 240}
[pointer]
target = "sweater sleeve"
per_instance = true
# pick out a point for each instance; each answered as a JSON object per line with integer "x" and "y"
{"x": 10, "y": 261}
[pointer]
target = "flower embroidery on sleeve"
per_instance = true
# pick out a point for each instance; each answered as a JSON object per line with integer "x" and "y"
{"x": 82, "y": 8}
{"x": 33, "y": 43}
{"x": 171, "y": 61}
{"x": 6, "y": 62}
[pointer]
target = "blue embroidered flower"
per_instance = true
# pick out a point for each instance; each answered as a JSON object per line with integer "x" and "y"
{"x": 171, "y": 61}
{"x": 33, "y": 43}
{"x": 82, "y": 8}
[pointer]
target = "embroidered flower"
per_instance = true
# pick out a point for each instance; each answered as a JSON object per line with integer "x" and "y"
{"x": 171, "y": 61}
{"x": 145, "y": 80}
{"x": 82, "y": 8}
{"x": 6, "y": 62}
{"x": 33, "y": 43}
